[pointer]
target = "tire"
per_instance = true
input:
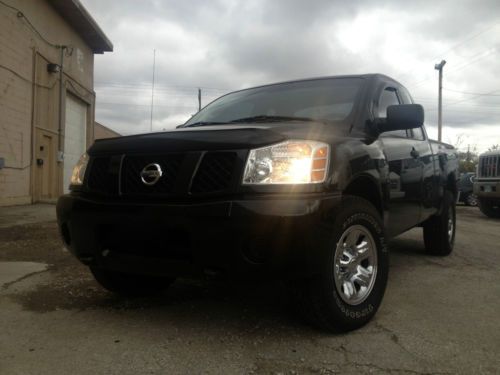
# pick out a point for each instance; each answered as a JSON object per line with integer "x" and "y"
{"x": 130, "y": 284}
{"x": 326, "y": 300}
{"x": 439, "y": 230}
{"x": 489, "y": 208}
{"x": 471, "y": 200}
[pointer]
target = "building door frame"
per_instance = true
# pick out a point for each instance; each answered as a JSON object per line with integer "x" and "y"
{"x": 46, "y": 175}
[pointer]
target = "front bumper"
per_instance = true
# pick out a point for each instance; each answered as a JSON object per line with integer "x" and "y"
{"x": 487, "y": 189}
{"x": 268, "y": 237}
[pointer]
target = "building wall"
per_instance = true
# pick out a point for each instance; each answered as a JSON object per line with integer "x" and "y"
{"x": 101, "y": 132}
{"x": 29, "y": 95}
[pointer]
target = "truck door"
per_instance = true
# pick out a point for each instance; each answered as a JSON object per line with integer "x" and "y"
{"x": 405, "y": 172}
{"x": 429, "y": 161}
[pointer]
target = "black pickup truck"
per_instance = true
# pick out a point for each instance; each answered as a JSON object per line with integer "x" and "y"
{"x": 303, "y": 181}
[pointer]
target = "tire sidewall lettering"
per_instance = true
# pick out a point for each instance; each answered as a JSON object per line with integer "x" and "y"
{"x": 366, "y": 308}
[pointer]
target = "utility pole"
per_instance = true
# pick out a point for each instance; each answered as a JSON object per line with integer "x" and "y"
{"x": 440, "y": 98}
{"x": 153, "y": 90}
{"x": 199, "y": 99}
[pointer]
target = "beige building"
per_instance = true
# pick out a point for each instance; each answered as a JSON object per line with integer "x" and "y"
{"x": 101, "y": 132}
{"x": 47, "y": 95}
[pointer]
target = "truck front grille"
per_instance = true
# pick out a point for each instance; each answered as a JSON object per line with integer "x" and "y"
{"x": 183, "y": 174}
{"x": 103, "y": 175}
{"x": 131, "y": 182}
{"x": 215, "y": 172}
{"x": 489, "y": 166}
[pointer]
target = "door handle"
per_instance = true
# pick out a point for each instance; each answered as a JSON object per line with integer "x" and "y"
{"x": 414, "y": 153}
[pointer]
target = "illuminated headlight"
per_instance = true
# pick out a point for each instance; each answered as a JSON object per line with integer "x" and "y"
{"x": 290, "y": 162}
{"x": 79, "y": 170}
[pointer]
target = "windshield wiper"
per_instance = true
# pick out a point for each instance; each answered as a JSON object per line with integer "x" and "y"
{"x": 265, "y": 118}
{"x": 258, "y": 118}
{"x": 203, "y": 123}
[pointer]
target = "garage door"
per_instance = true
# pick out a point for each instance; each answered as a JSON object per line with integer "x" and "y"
{"x": 74, "y": 136}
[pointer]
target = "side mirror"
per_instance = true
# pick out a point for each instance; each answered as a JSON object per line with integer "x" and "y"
{"x": 402, "y": 117}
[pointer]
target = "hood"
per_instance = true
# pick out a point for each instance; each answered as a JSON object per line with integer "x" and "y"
{"x": 217, "y": 137}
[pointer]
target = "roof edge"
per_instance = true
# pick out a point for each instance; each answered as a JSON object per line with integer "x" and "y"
{"x": 84, "y": 24}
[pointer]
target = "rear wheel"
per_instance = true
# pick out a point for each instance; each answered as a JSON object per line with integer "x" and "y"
{"x": 130, "y": 284}
{"x": 349, "y": 289}
{"x": 439, "y": 230}
{"x": 489, "y": 208}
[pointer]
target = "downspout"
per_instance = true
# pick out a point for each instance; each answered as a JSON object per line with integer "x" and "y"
{"x": 61, "y": 88}
{"x": 33, "y": 135}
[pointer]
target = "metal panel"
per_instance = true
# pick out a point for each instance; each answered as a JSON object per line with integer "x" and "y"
{"x": 75, "y": 136}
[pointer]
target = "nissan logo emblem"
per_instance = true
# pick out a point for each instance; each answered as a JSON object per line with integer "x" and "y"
{"x": 151, "y": 174}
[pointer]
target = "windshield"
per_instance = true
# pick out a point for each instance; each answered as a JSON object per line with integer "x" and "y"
{"x": 321, "y": 99}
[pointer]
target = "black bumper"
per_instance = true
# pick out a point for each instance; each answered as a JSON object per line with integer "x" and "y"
{"x": 275, "y": 238}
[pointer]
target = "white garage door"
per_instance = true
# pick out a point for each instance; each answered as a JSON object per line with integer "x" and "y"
{"x": 74, "y": 136}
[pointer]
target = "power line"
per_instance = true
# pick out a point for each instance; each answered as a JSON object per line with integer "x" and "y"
{"x": 145, "y": 105}
{"x": 468, "y": 39}
{"x": 480, "y": 56}
{"x": 475, "y": 58}
{"x": 27, "y": 80}
{"x": 142, "y": 85}
{"x": 472, "y": 93}
{"x": 21, "y": 15}
{"x": 465, "y": 100}
{"x": 455, "y": 46}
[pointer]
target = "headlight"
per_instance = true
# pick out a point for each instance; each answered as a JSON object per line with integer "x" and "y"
{"x": 290, "y": 162}
{"x": 79, "y": 170}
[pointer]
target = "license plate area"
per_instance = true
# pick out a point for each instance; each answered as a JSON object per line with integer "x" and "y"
{"x": 150, "y": 241}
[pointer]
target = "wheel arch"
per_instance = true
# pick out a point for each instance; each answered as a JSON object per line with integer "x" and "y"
{"x": 451, "y": 184}
{"x": 365, "y": 186}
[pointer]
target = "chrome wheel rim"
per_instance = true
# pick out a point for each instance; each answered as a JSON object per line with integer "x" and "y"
{"x": 451, "y": 224}
{"x": 355, "y": 264}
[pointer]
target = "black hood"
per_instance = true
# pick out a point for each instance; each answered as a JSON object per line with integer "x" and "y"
{"x": 217, "y": 137}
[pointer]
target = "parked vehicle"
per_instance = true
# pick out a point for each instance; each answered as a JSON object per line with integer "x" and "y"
{"x": 487, "y": 183}
{"x": 465, "y": 189}
{"x": 304, "y": 181}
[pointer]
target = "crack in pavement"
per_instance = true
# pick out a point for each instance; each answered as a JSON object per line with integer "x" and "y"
{"x": 7, "y": 285}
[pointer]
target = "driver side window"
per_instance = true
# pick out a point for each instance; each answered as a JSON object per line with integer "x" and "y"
{"x": 387, "y": 98}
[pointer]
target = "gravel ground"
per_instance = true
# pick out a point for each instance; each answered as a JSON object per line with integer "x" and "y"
{"x": 439, "y": 315}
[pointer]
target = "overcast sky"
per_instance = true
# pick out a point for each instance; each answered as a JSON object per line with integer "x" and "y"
{"x": 226, "y": 45}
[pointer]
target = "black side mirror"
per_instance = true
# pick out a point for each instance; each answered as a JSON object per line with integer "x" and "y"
{"x": 402, "y": 117}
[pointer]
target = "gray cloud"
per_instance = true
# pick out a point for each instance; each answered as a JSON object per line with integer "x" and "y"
{"x": 226, "y": 45}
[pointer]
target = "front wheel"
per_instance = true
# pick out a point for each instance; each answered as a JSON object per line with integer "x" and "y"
{"x": 351, "y": 285}
{"x": 130, "y": 284}
{"x": 439, "y": 230}
{"x": 489, "y": 208}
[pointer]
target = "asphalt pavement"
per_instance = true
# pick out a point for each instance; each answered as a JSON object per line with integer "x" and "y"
{"x": 439, "y": 315}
